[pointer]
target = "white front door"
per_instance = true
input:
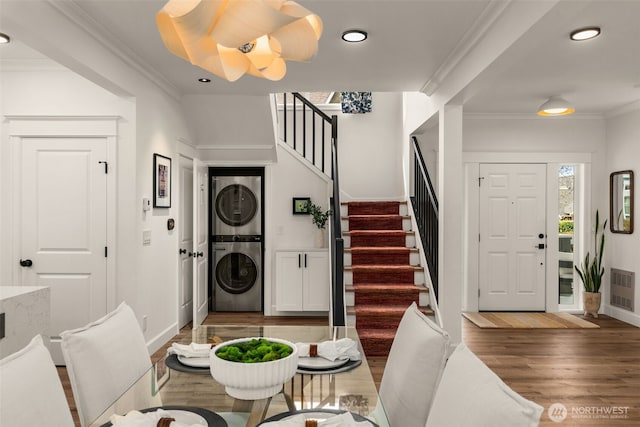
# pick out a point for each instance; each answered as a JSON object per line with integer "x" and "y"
{"x": 63, "y": 230}
{"x": 512, "y": 237}
{"x": 201, "y": 241}
{"x": 185, "y": 236}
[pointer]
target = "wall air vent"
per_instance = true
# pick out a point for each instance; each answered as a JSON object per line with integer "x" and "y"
{"x": 622, "y": 288}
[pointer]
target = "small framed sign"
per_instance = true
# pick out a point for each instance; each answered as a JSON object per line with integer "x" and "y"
{"x": 161, "y": 181}
{"x": 301, "y": 205}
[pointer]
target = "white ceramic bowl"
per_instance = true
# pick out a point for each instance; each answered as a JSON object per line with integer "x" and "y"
{"x": 251, "y": 381}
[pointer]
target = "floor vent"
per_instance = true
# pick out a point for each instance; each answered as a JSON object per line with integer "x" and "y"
{"x": 622, "y": 288}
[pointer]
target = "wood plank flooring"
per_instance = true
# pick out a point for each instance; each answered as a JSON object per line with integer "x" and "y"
{"x": 587, "y": 370}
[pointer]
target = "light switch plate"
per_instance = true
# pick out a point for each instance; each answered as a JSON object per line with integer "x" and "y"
{"x": 146, "y": 237}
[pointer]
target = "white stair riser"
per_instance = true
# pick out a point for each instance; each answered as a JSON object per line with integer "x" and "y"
{"x": 418, "y": 278}
{"x": 414, "y": 259}
{"x": 406, "y": 224}
{"x": 410, "y": 241}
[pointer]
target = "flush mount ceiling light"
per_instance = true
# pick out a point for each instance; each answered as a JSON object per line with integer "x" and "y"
{"x": 232, "y": 37}
{"x": 354, "y": 36}
{"x": 585, "y": 33}
{"x": 204, "y": 80}
{"x": 4, "y": 38}
{"x": 555, "y": 106}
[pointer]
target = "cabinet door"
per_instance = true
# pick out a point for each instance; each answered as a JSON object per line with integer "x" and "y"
{"x": 289, "y": 281}
{"x": 315, "y": 294}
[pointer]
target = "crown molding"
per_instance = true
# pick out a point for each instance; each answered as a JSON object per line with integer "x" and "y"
{"x": 619, "y": 111}
{"x": 101, "y": 35}
{"x": 531, "y": 116}
{"x": 471, "y": 38}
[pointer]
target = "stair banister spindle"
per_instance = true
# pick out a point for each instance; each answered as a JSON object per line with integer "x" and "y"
{"x": 304, "y": 130}
{"x": 323, "y": 148}
{"x": 284, "y": 108}
{"x": 313, "y": 140}
{"x": 295, "y": 120}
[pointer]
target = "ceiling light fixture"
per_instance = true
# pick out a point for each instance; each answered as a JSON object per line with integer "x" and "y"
{"x": 354, "y": 36}
{"x": 4, "y": 38}
{"x": 585, "y": 33}
{"x": 233, "y": 37}
{"x": 555, "y": 106}
{"x": 204, "y": 80}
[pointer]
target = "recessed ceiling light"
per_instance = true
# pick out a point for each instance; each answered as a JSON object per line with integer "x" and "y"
{"x": 4, "y": 38}
{"x": 204, "y": 80}
{"x": 585, "y": 33}
{"x": 354, "y": 36}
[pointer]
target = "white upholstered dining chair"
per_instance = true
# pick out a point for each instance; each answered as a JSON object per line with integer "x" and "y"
{"x": 103, "y": 360}
{"x": 30, "y": 390}
{"x": 415, "y": 364}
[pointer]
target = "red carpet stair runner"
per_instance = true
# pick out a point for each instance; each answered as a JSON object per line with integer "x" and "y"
{"x": 386, "y": 277}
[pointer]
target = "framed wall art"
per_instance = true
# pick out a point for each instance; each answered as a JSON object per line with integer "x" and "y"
{"x": 300, "y": 205}
{"x": 161, "y": 181}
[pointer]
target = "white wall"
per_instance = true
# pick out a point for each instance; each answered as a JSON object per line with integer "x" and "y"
{"x": 370, "y": 150}
{"x": 621, "y": 250}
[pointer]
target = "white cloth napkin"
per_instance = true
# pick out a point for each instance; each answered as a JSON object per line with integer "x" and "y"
{"x": 190, "y": 350}
{"x": 148, "y": 419}
{"x": 343, "y": 349}
{"x": 342, "y": 420}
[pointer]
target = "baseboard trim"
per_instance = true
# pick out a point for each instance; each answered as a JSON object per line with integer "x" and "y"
{"x": 623, "y": 315}
{"x": 162, "y": 338}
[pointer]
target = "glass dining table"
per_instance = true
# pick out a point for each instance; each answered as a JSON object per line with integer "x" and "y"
{"x": 348, "y": 388}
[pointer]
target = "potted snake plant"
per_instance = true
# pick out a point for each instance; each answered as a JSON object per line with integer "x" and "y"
{"x": 591, "y": 271}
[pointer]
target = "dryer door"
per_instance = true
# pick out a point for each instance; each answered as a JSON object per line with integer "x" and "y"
{"x": 237, "y": 206}
{"x": 236, "y": 273}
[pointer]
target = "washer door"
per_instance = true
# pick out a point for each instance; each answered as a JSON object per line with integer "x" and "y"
{"x": 236, "y": 205}
{"x": 236, "y": 273}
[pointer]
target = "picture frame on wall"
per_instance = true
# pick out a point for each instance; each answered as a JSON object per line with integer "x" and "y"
{"x": 161, "y": 181}
{"x": 300, "y": 205}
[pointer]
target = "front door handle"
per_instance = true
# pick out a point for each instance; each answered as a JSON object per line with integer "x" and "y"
{"x": 26, "y": 262}
{"x": 541, "y": 246}
{"x": 182, "y": 251}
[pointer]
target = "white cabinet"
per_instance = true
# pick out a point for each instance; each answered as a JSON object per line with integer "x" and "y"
{"x": 302, "y": 280}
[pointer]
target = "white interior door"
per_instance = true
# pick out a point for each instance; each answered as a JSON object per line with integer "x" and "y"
{"x": 201, "y": 241}
{"x": 512, "y": 237}
{"x": 185, "y": 227}
{"x": 63, "y": 228}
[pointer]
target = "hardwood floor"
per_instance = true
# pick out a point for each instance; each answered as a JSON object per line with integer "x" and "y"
{"x": 586, "y": 370}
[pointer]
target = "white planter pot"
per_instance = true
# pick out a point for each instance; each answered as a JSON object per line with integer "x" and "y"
{"x": 320, "y": 238}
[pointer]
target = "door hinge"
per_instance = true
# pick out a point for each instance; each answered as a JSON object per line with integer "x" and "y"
{"x": 106, "y": 166}
{"x": 478, "y": 237}
{"x": 480, "y": 180}
{"x": 105, "y": 251}
{"x": 478, "y": 292}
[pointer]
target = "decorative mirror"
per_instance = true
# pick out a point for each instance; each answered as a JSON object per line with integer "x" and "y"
{"x": 621, "y": 202}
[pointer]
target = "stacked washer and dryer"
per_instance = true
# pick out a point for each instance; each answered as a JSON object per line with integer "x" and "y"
{"x": 236, "y": 224}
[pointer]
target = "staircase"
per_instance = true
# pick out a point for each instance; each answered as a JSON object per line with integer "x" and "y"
{"x": 382, "y": 273}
